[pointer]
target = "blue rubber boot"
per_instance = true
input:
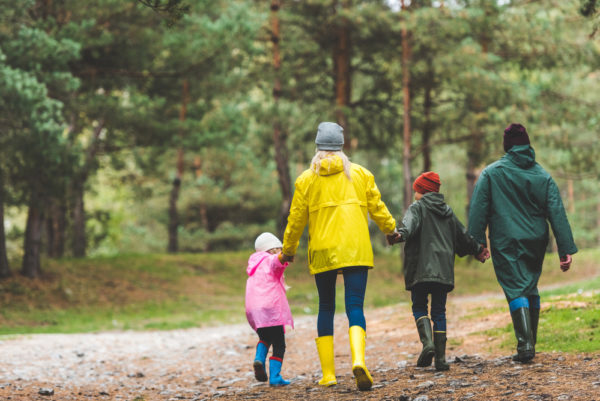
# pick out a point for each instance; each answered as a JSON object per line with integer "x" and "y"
{"x": 260, "y": 373}
{"x": 275, "y": 378}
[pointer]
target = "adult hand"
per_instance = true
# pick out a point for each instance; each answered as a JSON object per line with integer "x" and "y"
{"x": 283, "y": 258}
{"x": 393, "y": 238}
{"x": 483, "y": 255}
{"x": 565, "y": 262}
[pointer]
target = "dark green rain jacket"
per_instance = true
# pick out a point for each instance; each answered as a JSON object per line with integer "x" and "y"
{"x": 433, "y": 235}
{"x": 515, "y": 196}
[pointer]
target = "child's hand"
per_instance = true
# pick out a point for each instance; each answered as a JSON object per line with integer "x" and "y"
{"x": 283, "y": 258}
{"x": 565, "y": 262}
{"x": 393, "y": 238}
{"x": 483, "y": 255}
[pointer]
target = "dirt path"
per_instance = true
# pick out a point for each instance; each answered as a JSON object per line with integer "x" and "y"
{"x": 215, "y": 363}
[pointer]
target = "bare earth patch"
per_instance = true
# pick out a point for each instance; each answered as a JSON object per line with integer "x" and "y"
{"x": 216, "y": 363}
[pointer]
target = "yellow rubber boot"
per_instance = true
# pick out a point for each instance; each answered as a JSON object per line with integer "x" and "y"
{"x": 364, "y": 381}
{"x": 325, "y": 348}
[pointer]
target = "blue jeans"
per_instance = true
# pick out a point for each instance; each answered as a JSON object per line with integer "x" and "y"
{"x": 355, "y": 284}
{"x": 439, "y": 293}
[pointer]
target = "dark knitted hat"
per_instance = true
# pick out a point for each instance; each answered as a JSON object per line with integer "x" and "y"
{"x": 427, "y": 182}
{"x": 515, "y": 134}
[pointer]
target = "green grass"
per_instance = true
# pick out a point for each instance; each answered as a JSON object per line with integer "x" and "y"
{"x": 568, "y": 323}
{"x": 160, "y": 291}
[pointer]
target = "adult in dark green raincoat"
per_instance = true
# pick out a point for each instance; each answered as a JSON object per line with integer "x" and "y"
{"x": 516, "y": 197}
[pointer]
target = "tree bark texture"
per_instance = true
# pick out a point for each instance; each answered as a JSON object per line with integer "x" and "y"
{"x": 33, "y": 239}
{"x": 173, "y": 226}
{"x": 598, "y": 221}
{"x": 475, "y": 147}
{"x": 427, "y": 125}
{"x": 571, "y": 196}
{"x": 4, "y": 266}
{"x": 79, "y": 243}
{"x": 279, "y": 134}
{"x": 343, "y": 76}
{"x": 56, "y": 224}
{"x": 406, "y": 55}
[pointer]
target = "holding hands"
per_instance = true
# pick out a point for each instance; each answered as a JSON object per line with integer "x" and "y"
{"x": 283, "y": 258}
{"x": 393, "y": 238}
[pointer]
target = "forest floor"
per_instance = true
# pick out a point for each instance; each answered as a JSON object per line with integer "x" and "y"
{"x": 216, "y": 363}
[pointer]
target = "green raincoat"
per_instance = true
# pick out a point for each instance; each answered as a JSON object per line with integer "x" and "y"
{"x": 433, "y": 235}
{"x": 514, "y": 197}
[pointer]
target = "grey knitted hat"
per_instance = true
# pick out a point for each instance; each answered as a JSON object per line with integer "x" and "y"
{"x": 330, "y": 136}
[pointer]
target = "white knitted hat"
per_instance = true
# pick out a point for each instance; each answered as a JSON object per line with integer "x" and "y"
{"x": 267, "y": 241}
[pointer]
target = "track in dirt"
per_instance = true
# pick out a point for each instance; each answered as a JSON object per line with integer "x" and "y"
{"x": 216, "y": 363}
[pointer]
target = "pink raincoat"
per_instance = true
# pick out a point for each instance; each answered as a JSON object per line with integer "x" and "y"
{"x": 266, "y": 303}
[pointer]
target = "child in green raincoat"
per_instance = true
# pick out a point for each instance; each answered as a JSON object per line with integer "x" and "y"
{"x": 433, "y": 236}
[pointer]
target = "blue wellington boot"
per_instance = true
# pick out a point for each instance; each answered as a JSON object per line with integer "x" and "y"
{"x": 275, "y": 378}
{"x": 260, "y": 373}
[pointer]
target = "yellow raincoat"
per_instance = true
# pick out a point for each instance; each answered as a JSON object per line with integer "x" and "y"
{"x": 335, "y": 209}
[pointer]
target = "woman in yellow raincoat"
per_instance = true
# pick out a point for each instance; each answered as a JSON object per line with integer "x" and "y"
{"x": 335, "y": 197}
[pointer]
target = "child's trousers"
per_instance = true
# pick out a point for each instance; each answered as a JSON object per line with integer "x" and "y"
{"x": 275, "y": 336}
{"x": 439, "y": 293}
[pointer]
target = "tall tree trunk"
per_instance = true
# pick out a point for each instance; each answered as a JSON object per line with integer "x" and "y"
{"x": 55, "y": 229}
{"x": 203, "y": 209}
{"x": 4, "y": 266}
{"x": 570, "y": 196}
{"x": 427, "y": 125}
{"x": 280, "y": 135}
{"x": 598, "y": 221}
{"x": 406, "y": 54}
{"x": 173, "y": 245}
{"x": 342, "y": 75}
{"x": 475, "y": 144}
{"x": 33, "y": 239}
{"x": 77, "y": 193}
{"x": 79, "y": 243}
{"x": 474, "y": 149}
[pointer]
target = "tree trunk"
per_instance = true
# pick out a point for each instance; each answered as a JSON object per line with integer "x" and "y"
{"x": 473, "y": 160}
{"x": 342, "y": 76}
{"x": 79, "y": 243}
{"x": 173, "y": 246}
{"x": 571, "y": 196}
{"x": 427, "y": 125}
{"x": 406, "y": 54}
{"x": 55, "y": 229}
{"x": 4, "y": 266}
{"x": 280, "y": 135}
{"x": 33, "y": 239}
{"x": 202, "y": 206}
{"x": 598, "y": 221}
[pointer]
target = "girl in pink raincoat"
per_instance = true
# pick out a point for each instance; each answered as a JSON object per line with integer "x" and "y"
{"x": 267, "y": 307}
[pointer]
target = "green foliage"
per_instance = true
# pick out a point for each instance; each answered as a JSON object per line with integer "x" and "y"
{"x": 158, "y": 291}
{"x": 99, "y": 89}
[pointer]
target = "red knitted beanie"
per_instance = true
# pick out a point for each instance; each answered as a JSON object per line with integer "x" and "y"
{"x": 427, "y": 182}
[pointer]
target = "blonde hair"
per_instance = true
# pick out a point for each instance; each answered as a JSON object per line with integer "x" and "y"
{"x": 326, "y": 154}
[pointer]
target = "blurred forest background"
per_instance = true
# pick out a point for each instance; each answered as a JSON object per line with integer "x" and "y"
{"x": 138, "y": 126}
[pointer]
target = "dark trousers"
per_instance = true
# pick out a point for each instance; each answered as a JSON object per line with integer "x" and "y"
{"x": 439, "y": 293}
{"x": 274, "y": 336}
{"x": 355, "y": 285}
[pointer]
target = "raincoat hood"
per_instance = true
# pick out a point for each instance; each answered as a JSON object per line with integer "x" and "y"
{"x": 434, "y": 201}
{"x": 521, "y": 155}
{"x": 255, "y": 260}
{"x": 331, "y": 165}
